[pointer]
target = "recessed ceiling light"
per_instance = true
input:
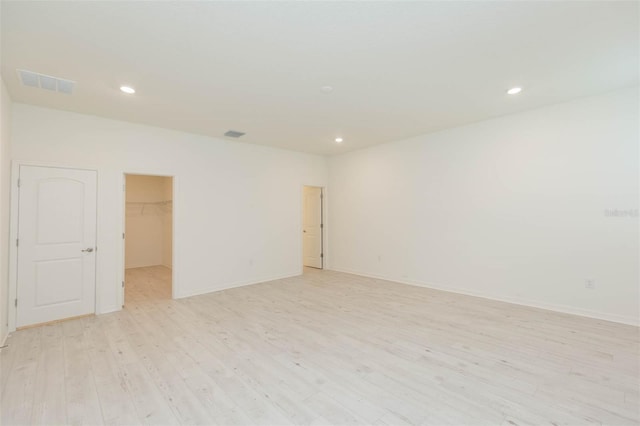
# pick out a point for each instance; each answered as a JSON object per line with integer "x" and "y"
{"x": 326, "y": 89}
{"x": 514, "y": 90}
{"x": 338, "y": 140}
{"x": 128, "y": 90}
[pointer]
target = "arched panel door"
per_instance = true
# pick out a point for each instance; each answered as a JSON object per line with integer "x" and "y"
{"x": 56, "y": 244}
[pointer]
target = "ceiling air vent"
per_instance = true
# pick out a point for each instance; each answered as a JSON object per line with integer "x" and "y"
{"x": 233, "y": 134}
{"x": 46, "y": 82}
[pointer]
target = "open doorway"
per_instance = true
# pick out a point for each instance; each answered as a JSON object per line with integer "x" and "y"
{"x": 148, "y": 239}
{"x": 312, "y": 227}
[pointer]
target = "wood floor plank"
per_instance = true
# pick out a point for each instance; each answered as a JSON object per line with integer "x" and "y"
{"x": 81, "y": 395}
{"x": 19, "y": 392}
{"x": 50, "y": 405}
{"x": 324, "y": 348}
{"x": 114, "y": 395}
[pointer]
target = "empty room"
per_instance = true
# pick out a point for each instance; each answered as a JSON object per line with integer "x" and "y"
{"x": 320, "y": 213}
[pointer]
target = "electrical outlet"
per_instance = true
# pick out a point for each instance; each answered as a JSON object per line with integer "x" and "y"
{"x": 590, "y": 284}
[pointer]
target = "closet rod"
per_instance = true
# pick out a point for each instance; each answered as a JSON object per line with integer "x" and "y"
{"x": 150, "y": 202}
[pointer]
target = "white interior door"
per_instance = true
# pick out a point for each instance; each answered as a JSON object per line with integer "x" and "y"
{"x": 312, "y": 227}
{"x": 56, "y": 244}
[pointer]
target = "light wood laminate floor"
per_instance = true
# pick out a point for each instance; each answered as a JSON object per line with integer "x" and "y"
{"x": 322, "y": 348}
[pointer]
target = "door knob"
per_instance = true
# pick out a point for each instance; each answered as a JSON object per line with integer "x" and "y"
{"x": 89, "y": 250}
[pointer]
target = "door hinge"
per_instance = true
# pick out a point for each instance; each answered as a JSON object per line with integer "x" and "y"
{"x": 17, "y": 242}
{"x": 123, "y": 235}
{"x": 321, "y": 254}
{"x": 122, "y": 284}
{"x": 18, "y": 183}
{"x": 16, "y": 303}
{"x": 322, "y": 225}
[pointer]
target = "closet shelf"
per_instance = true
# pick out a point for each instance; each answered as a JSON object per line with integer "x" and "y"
{"x": 151, "y": 202}
{"x": 161, "y": 206}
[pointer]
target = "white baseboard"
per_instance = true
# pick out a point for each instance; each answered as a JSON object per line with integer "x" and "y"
{"x": 228, "y": 286}
{"x": 109, "y": 310}
{"x": 514, "y": 300}
{"x": 237, "y": 284}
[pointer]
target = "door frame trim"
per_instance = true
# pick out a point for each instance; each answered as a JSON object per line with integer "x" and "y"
{"x": 323, "y": 231}
{"x": 14, "y": 202}
{"x": 123, "y": 207}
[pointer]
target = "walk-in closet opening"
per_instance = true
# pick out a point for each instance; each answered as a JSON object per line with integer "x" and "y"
{"x": 148, "y": 238}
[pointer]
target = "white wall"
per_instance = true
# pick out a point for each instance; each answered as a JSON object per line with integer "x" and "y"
{"x": 148, "y": 223}
{"x": 237, "y": 206}
{"x": 513, "y": 208}
{"x": 146, "y": 188}
{"x": 5, "y": 190}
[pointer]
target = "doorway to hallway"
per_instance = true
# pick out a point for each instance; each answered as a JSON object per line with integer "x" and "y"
{"x": 312, "y": 227}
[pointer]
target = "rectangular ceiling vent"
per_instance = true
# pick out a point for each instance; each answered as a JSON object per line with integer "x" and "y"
{"x": 233, "y": 134}
{"x": 46, "y": 82}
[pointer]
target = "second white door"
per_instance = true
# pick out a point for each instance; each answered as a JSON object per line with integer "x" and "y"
{"x": 56, "y": 244}
{"x": 312, "y": 227}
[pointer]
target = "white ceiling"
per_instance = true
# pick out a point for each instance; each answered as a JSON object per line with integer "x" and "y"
{"x": 398, "y": 69}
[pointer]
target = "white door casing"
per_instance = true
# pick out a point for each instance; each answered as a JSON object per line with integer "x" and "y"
{"x": 312, "y": 227}
{"x": 56, "y": 244}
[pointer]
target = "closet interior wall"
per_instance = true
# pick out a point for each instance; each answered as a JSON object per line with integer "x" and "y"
{"x": 148, "y": 227}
